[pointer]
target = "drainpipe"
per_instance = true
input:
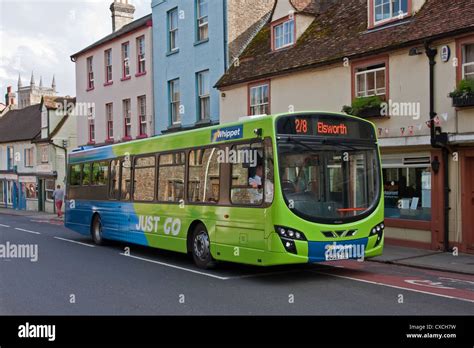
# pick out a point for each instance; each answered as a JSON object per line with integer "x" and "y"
{"x": 226, "y": 32}
{"x": 439, "y": 140}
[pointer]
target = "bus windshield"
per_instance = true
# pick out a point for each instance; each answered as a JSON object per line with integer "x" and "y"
{"x": 329, "y": 181}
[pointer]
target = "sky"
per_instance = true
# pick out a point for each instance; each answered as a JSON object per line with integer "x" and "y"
{"x": 41, "y": 35}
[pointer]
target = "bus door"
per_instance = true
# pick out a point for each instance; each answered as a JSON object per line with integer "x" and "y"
{"x": 251, "y": 189}
{"x": 116, "y": 215}
{"x": 126, "y": 207}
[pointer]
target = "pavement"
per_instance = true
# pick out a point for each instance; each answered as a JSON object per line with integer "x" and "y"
{"x": 72, "y": 276}
{"x": 427, "y": 259}
{"x": 36, "y": 215}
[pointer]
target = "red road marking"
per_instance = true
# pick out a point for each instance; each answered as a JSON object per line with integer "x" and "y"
{"x": 436, "y": 285}
{"x": 51, "y": 221}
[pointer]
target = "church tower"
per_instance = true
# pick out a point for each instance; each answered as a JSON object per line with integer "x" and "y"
{"x": 32, "y": 94}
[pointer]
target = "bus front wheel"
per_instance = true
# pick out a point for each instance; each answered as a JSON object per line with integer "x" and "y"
{"x": 201, "y": 248}
{"x": 96, "y": 231}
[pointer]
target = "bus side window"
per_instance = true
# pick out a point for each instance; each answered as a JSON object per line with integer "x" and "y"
{"x": 171, "y": 177}
{"x": 99, "y": 173}
{"x": 204, "y": 176}
{"x": 269, "y": 172}
{"x": 125, "y": 178}
{"x": 247, "y": 174}
{"x": 75, "y": 175}
{"x": 144, "y": 179}
{"x": 86, "y": 174}
{"x": 114, "y": 179}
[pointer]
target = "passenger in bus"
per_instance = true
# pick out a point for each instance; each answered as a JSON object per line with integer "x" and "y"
{"x": 301, "y": 183}
{"x": 256, "y": 180}
{"x": 256, "y": 183}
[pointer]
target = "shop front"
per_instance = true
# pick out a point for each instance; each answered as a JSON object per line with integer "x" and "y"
{"x": 28, "y": 189}
{"x": 467, "y": 200}
{"x": 9, "y": 191}
{"x": 413, "y": 197}
{"x": 46, "y": 185}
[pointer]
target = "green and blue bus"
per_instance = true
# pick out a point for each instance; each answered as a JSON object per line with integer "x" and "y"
{"x": 267, "y": 190}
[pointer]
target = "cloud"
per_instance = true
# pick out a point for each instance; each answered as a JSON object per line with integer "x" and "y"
{"x": 40, "y": 36}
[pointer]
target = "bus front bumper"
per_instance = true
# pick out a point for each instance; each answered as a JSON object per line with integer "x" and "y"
{"x": 322, "y": 251}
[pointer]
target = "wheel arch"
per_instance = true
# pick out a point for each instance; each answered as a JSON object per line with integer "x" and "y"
{"x": 93, "y": 217}
{"x": 189, "y": 241}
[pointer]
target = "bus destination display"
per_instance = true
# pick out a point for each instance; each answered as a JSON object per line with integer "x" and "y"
{"x": 325, "y": 125}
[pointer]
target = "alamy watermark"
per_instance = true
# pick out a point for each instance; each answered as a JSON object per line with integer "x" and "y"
{"x": 236, "y": 156}
{"x": 19, "y": 251}
{"x": 77, "y": 109}
{"x": 344, "y": 252}
{"x": 403, "y": 109}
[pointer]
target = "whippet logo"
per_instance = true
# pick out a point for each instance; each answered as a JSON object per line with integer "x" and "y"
{"x": 227, "y": 133}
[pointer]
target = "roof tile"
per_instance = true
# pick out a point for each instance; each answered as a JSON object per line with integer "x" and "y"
{"x": 20, "y": 125}
{"x": 342, "y": 32}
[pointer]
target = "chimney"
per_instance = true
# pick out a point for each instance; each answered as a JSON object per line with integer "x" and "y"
{"x": 10, "y": 97}
{"x": 122, "y": 13}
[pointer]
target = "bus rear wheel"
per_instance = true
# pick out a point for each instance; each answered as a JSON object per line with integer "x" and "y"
{"x": 201, "y": 248}
{"x": 96, "y": 231}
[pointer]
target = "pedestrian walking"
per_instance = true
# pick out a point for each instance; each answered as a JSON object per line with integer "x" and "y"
{"x": 58, "y": 196}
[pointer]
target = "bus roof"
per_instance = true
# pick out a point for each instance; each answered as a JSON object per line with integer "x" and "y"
{"x": 242, "y": 129}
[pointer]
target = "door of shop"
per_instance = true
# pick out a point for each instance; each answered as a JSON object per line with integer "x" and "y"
{"x": 40, "y": 195}
{"x": 468, "y": 227}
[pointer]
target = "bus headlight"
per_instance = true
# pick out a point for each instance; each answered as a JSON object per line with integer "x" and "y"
{"x": 288, "y": 237}
{"x": 290, "y": 233}
{"x": 289, "y": 245}
{"x": 378, "y": 231}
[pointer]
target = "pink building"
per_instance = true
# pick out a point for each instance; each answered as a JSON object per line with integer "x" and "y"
{"x": 114, "y": 82}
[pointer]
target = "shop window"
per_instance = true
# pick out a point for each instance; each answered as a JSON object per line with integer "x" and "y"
{"x": 30, "y": 190}
{"x": 49, "y": 189}
{"x": 9, "y": 191}
{"x": 408, "y": 193}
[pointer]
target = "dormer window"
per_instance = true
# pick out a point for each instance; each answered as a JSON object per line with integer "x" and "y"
{"x": 283, "y": 33}
{"x": 383, "y": 11}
